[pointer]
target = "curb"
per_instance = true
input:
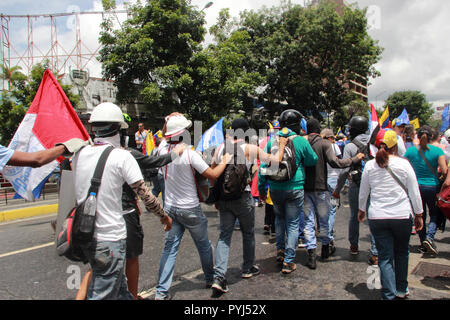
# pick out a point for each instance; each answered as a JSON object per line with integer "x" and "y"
{"x": 27, "y": 212}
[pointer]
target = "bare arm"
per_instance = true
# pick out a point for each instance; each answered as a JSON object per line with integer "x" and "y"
{"x": 443, "y": 165}
{"x": 252, "y": 151}
{"x": 214, "y": 172}
{"x": 36, "y": 159}
{"x": 151, "y": 203}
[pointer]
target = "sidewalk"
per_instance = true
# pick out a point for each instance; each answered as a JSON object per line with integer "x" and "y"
{"x": 23, "y": 210}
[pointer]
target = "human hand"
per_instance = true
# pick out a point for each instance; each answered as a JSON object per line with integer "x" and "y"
{"x": 361, "y": 216}
{"x": 180, "y": 148}
{"x": 227, "y": 158}
{"x": 167, "y": 221}
{"x": 360, "y": 156}
{"x": 418, "y": 222}
{"x": 283, "y": 142}
{"x": 336, "y": 195}
{"x": 73, "y": 146}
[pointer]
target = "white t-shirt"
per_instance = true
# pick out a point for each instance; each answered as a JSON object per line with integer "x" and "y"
{"x": 388, "y": 200}
{"x": 120, "y": 168}
{"x": 334, "y": 172}
{"x": 180, "y": 188}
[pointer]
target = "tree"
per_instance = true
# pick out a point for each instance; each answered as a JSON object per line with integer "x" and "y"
{"x": 14, "y": 103}
{"x": 414, "y": 102}
{"x": 156, "y": 57}
{"x": 307, "y": 55}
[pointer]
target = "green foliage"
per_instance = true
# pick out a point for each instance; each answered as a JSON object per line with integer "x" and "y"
{"x": 157, "y": 58}
{"x": 15, "y": 102}
{"x": 415, "y": 103}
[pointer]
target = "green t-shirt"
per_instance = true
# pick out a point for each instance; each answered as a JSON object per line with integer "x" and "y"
{"x": 305, "y": 156}
{"x": 424, "y": 175}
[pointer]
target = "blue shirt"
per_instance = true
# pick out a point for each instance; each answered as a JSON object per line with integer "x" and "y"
{"x": 424, "y": 175}
{"x": 5, "y": 155}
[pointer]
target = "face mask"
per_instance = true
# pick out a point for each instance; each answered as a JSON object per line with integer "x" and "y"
{"x": 114, "y": 141}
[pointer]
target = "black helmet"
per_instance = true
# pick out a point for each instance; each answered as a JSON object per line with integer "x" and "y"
{"x": 290, "y": 118}
{"x": 358, "y": 125}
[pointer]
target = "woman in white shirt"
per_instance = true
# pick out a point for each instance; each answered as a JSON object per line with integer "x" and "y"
{"x": 392, "y": 205}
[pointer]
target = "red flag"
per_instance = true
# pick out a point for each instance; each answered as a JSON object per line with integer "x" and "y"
{"x": 50, "y": 119}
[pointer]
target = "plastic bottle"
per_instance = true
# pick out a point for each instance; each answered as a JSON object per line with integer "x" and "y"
{"x": 88, "y": 220}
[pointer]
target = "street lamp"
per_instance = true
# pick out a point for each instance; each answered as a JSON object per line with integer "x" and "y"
{"x": 209, "y": 4}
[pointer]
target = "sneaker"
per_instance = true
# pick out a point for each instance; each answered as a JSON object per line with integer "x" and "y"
{"x": 430, "y": 246}
{"x": 168, "y": 297}
{"x": 209, "y": 284}
{"x": 373, "y": 260}
{"x": 288, "y": 268}
{"x": 280, "y": 256}
{"x": 402, "y": 295}
{"x": 220, "y": 285}
{"x": 301, "y": 243}
{"x": 254, "y": 271}
{"x": 354, "y": 250}
{"x": 422, "y": 249}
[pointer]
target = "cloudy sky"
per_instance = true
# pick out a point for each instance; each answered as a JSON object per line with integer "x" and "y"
{"x": 413, "y": 33}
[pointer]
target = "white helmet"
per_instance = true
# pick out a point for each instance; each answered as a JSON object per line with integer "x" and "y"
{"x": 176, "y": 125}
{"x": 108, "y": 112}
{"x": 447, "y": 134}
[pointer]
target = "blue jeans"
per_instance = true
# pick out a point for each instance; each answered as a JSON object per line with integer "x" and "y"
{"x": 353, "y": 228}
{"x": 107, "y": 260}
{"x": 195, "y": 221}
{"x": 158, "y": 186}
{"x": 287, "y": 206}
{"x": 317, "y": 204}
{"x": 392, "y": 240}
{"x": 332, "y": 182}
{"x": 428, "y": 194}
{"x": 301, "y": 228}
{"x": 242, "y": 210}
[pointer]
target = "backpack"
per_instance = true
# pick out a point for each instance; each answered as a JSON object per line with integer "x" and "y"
{"x": 357, "y": 169}
{"x": 71, "y": 238}
{"x": 236, "y": 176}
{"x": 443, "y": 202}
{"x": 287, "y": 168}
{"x": 201, "y": 183}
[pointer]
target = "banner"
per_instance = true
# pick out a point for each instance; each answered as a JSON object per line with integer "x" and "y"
{"x": 212, "y": 137}
{"x": 50, "y": 119}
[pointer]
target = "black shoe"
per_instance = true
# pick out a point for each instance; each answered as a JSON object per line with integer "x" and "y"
{"x": 280, "y": 256}
{"x": 332, "y": 248}
{"x": 430, "y": 246}
{"x": 254, "y": 271}
{"x": 312, "y": 259}
{"x": 325, "y": 254}
{"x": 220, "y": 285}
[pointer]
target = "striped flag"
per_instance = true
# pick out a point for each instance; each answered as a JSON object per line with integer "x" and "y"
{"x": 212, "y": 137}
{"x": 50, "y": 119}
{"x": 384, "y": 120}
{"x": 149, "y": 144}
{"x": 374, "y": 129}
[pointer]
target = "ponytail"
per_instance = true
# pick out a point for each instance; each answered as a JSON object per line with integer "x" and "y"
{"x": 382, "y": 157}
{"x": 424, "y": 141}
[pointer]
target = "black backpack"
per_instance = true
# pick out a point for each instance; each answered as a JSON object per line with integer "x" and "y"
{"x": 236, "y": 177}
{"x": 71, "y": 238}
{"x": 287, "y": 168}
{"x": 357, "y": 169}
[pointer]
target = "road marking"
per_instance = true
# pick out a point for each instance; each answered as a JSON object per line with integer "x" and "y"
{"x": 189, "y": 276}
{"x": 26, "y": 250}
{"x": 46, "y": 216}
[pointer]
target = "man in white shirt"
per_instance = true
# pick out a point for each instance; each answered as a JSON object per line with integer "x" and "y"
{"x": 183, "y": 205}
{"x": 106, "y": 252}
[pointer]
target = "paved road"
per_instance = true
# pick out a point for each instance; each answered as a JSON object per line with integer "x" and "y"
{"x": 31, "y": 269}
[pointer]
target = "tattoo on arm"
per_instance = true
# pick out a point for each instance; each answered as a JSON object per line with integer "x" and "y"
{"x": 151, "y": 203}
